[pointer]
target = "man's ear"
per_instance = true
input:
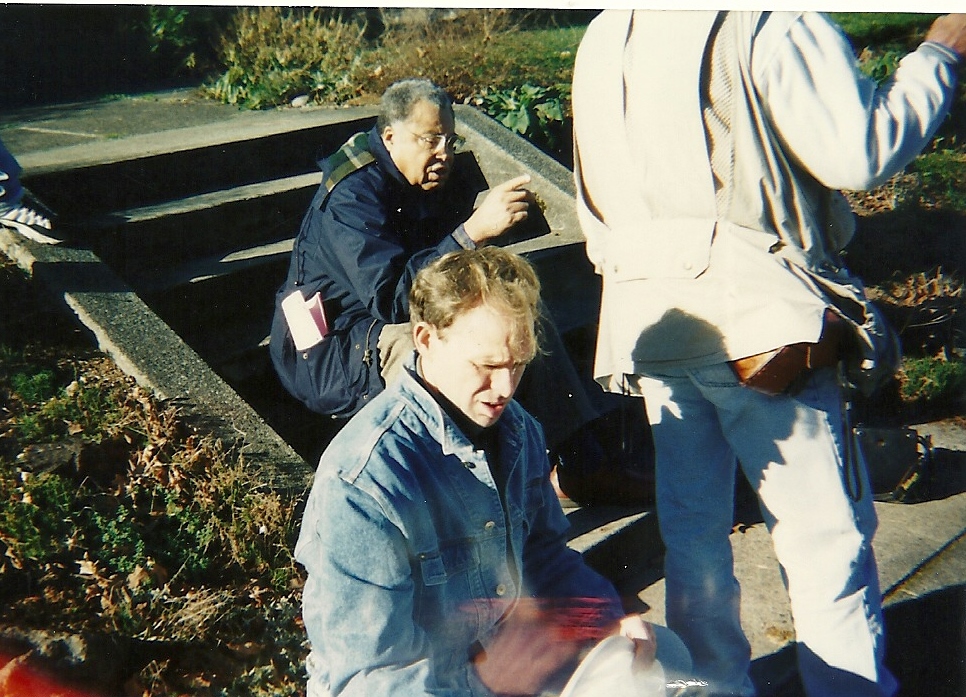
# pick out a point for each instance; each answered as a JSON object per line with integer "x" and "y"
{"x": 423, "y": 334}
{"x": 387, "y": 136}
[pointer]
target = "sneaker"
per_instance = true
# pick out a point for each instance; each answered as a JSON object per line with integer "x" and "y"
{"x": 605, "y": 486}
{"x": 566, "y": 502}
{"x": 30, "y": 224}
{"x": 586, "y": 475}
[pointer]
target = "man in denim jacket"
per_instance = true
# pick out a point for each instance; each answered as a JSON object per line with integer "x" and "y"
{"x": 434, "y": 543}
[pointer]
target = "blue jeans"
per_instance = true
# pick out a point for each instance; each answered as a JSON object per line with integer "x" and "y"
{"x": 791, "y": 450}
{"x": 10, "y": 190}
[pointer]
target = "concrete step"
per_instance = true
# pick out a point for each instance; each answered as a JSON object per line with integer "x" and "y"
{"x": 210, "y": 307}
{"x": 84, "y": 181}
{"x": 201, "y": 270}
{"x": 144, "y": 244}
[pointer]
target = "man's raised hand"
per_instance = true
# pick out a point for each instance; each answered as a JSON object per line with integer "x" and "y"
{"x": 503, "y": 207}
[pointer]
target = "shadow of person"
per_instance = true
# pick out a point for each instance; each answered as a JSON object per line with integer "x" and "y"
{"x": 677, "y": 328}
{"x": 925, "y": 649}
{"x": 927, "y": 643}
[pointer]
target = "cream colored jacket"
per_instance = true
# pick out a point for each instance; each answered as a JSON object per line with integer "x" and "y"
{"x": 685, "y": 283}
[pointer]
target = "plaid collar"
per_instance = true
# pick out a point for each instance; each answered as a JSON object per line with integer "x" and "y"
{"x": 352, "y": 156}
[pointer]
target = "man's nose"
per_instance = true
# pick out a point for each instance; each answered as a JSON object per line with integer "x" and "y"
{"x": 504, "y": 382}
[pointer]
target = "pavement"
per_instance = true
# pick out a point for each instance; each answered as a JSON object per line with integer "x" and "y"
{"x": 920, "y": 547}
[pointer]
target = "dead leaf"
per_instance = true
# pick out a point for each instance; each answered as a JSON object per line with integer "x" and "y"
{"x": 137, "y": 577}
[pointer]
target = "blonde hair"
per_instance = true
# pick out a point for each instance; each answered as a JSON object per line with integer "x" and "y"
{"x": 460, "y": 281}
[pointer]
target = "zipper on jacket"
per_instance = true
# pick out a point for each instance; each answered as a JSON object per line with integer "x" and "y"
{"x": 367, "y": 359}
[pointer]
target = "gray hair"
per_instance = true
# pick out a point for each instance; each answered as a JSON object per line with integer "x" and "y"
{"x": 400, "y": 98}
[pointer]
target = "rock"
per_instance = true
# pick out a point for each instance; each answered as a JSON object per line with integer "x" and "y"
{"x": 77, "y": 665}
{"x": 100, "y": 462}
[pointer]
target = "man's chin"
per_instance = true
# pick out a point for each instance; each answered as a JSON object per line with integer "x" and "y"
{"x": 489, "y": 414}
{"x": 435, "y": 180}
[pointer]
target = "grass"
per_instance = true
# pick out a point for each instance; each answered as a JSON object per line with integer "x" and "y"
{"x": 932, "y": 381}
{"x": 943, "y": 179}
{"x": 884, "y": 28}
{"x": 117, "y": 518}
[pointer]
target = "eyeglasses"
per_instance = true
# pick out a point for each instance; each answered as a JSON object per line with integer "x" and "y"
{"x": 438, "y": 140}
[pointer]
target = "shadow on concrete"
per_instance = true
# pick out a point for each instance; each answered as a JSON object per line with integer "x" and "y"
{"x": 927, "y": 643}
{"x": 947, "y": 474}
{"x": 926, "y": 650}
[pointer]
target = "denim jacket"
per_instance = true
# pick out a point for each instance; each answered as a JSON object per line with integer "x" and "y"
{"x": 412, "y": 556}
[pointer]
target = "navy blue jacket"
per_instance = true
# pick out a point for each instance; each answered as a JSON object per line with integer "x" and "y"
{"x": 360, "y": 245}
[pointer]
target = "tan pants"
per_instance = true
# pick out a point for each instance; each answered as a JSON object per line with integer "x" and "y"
{"x": 395, "y": 347}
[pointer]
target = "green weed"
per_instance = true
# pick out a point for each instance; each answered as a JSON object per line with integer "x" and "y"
{"x": 35, "y": 387}
{"x": 943, "y": 179}
{"x": 932, "y": 381}
{"x": 534, "y": 112}
{"x": 79, "y": 409}
{"x": 880, "y": 65}
{"x": 273, "y": 54}
{"x": 37, "y": 518}
{"x": 118, "y": 541}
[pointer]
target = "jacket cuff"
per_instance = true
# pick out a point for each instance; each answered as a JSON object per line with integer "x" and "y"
{"x": 942, "y": 51}
{"x": 464, "y": 241}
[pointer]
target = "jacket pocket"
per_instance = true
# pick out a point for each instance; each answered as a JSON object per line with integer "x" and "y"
{"x": 451, "y": 559}
{"x": 432, "y": 569}
{"x": 675, "y": 248}
{"x": 333, "y": 377}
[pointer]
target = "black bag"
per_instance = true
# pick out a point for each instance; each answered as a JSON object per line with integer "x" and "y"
{"x": 897, "y": 460}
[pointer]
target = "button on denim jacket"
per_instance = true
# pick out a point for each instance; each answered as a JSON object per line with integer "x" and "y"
{"x": 407, "y": 547}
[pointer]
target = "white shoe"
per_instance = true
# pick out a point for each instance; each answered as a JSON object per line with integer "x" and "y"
{"x": 30, "y": 224}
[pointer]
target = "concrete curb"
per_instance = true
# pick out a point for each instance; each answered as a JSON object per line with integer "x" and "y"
{"x": 147, "y": 349}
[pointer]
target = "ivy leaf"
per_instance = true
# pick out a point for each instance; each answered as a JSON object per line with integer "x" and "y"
{"x": 517, "y": 121}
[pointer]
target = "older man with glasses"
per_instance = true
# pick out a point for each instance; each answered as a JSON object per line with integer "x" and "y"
{"x": 393, "y": 200}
